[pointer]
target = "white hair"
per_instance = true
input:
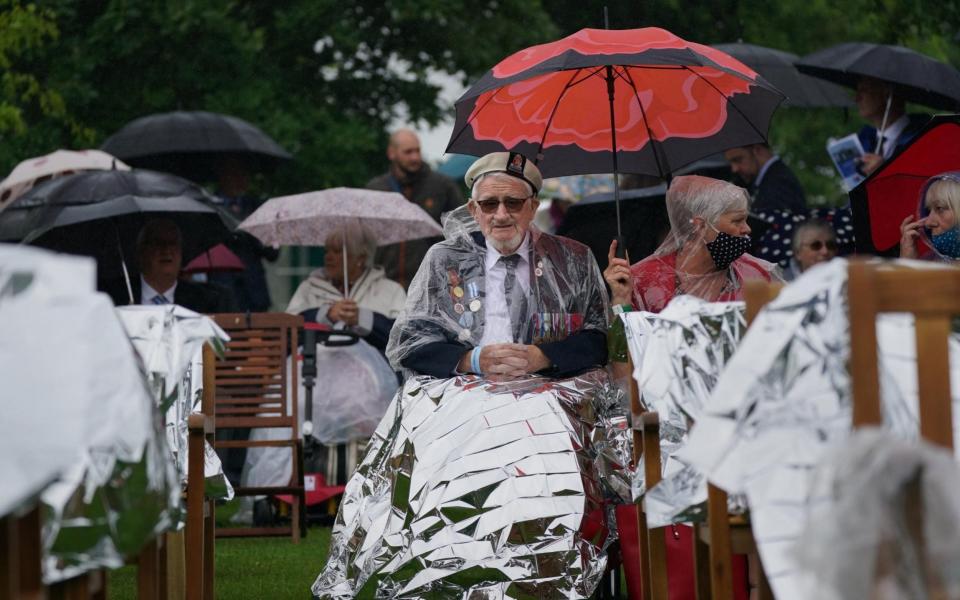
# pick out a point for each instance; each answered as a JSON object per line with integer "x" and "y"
{"x": 692, "y": 196}
{"x": 499, "y": 175}
{"x": 357, "y": 238}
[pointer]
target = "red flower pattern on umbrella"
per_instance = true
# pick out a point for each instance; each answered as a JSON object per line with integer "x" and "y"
{"x": 552, "y": 102}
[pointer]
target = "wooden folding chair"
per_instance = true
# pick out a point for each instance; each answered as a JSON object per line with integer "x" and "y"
{"x": 252, "y": 386}
{"x": 727, "y": 535}
{"x": 199, "y": 542}
{"x": 933, "y": 298}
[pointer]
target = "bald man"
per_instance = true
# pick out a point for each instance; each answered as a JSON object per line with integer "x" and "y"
{"x": 413, "y": 178}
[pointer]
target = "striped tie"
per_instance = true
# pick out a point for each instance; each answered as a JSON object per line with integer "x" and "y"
{"x": 516, "y": 299}
{"x": 160, "y": 299}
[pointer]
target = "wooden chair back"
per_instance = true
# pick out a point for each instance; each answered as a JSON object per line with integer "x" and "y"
{"x": 933, "y": 297}
{"x": 255, "y": 389}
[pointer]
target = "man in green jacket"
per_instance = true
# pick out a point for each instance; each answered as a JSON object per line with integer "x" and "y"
{"x": 433, "y": 192}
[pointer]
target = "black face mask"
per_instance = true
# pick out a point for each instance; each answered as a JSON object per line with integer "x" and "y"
{"x": 727, "y": 248}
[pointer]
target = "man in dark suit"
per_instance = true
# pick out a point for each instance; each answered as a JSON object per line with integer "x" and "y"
{"x": 771, "y": 183}
{"x": 890, "y": 128}
{"x": 159, "y": 256}
{"x": 497, "y": 297}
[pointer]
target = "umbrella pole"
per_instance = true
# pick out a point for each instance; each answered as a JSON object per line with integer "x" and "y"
{"x": 346, "y": 276}
{"x": 123, "y": 263}
{"x": 621, "y": 246}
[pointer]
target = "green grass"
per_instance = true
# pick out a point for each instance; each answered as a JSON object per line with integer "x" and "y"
{"x": 249, "y": 568}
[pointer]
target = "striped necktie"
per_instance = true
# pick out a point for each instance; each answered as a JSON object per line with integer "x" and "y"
{"x": 516, "y": 299}
{"x": 160, "y": 299}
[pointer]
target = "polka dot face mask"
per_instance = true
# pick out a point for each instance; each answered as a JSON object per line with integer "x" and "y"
{"x": 727, "y": 248}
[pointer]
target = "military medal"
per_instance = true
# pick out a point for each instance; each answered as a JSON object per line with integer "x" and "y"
{"x": 475, "y": 304}
{"x": 458, "y": 308}
{"x": 458, "y": 292}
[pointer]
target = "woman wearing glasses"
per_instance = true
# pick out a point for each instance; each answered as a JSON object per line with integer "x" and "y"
{"x": 937, "y": 224}
{"x": 813, "y": 242}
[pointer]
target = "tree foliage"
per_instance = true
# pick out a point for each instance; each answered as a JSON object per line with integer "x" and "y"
{"x": 325, "y": 77}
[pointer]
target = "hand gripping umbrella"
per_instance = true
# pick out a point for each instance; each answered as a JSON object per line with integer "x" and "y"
{"x": 637, "y": 100}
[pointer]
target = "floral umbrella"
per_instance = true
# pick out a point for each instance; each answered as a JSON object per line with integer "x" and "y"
{"x": 635, "y": 100}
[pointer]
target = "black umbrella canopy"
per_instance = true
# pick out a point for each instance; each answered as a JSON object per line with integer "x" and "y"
{"x": 916, "y": 77}
{"x": 779, "y": 68}
{"x": 194, "y": 143}
{"x": 88, "y": 213}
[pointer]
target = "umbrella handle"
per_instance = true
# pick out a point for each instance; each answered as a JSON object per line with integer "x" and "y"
{"x": 123, "y": 262}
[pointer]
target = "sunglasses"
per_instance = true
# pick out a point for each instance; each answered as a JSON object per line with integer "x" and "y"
{"x": 817, "y": 245}
{"x": 512, "y": 205}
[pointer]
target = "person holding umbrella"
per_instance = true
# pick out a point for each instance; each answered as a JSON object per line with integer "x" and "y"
{"x": 937, "y": 224}
{"x": 373, "y": 302}
{"x": 890, "y": 127}
{"x": 705, "y": 255}
{"x": 356, "y": 380}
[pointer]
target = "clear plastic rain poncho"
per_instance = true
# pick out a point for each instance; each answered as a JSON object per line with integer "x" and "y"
{"x": 480, "y": 489}
{"x": 446, "y": 301}
{"x": 941, "y": 197}
{"x": 685, "y": 263}
{"x": 784, "y": 401}
{"x": 887, "y": 521}
{"x": 678, "y": 355}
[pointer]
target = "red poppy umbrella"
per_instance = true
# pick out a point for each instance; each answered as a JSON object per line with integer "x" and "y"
{"x": 884, "y": 199}
{"x": 635, "y": 100}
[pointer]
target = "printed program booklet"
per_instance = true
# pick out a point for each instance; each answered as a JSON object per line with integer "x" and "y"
{"x": 845, "y": 154}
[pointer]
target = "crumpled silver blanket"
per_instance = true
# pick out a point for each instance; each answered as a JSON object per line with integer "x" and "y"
{"x": 169, "y": 340}
{"x": 475, "y": 489}
{"x": 784, "y": 401}
{"x": 678, "y": 355}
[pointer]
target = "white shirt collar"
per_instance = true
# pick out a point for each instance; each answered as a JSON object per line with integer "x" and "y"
{"x": 763, "y": 170}
{"x": 147, "y": 293}
{"x": 523, "y": 250}
{"x": 892, "y": 133}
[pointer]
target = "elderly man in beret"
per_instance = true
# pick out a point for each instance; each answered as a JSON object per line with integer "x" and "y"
{"x": 498, "y": 297}
{"x": 490, "y": 474}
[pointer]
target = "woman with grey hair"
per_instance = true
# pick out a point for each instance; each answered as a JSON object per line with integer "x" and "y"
{"x": 355, "y": 382}
{"x": 359, "y": 297}
{"x": 705, "y": 253}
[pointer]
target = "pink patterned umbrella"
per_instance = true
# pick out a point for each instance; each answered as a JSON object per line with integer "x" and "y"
{"x": 307, "y": 219}
{"x": 62, "y": 162}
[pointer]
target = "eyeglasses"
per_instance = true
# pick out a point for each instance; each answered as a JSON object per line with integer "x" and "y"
{"x": 512, "y": 205}
{"x": 817, "y": 245}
